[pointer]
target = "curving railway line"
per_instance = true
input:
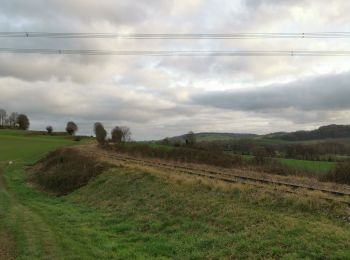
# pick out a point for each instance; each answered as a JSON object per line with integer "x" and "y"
{"x": 225, "y": 175}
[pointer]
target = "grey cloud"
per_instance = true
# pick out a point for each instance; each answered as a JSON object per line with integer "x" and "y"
{"x": 322, "y": 93}
{"x": 84, "y": 11}
{"x": 258, "y": 3}
{"x": 151, "y": 93}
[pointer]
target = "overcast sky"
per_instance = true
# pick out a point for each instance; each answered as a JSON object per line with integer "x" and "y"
{"x": 165, "y": 96}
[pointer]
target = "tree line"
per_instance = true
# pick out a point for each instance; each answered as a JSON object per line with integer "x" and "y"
{"x": 329, "y": 131}
{"x": 13, "y": 120}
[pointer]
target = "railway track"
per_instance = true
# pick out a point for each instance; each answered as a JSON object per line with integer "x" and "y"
{"x": 225, "y": 176}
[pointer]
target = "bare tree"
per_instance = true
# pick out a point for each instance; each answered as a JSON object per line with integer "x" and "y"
{"x": 13, "y": 119}
{"x": 190, "y": 139}
{"x": 49, "y": 129}
{"x": 3, "y": 116}
{"x": 22, "y": 121}
{"x": 126, "y": 137}
{"x": 100, "y": 132}
{"x": 71, "y": 128}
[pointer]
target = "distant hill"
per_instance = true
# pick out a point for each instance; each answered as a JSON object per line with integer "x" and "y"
{"x": 213, "y": 136}
{"x": 324, "y": 132}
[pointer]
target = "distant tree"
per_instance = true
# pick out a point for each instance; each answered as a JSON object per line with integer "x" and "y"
{"x": 3, "y": 116}
{"x": 22, "y": 121}
{"x": 13, "y": 119}
{"x": 100, "y": 132}
{"x": 126, "y": 137}
{"x": 71, "y": 128}
{"x": 121, "y": 134}
{"x": 49, "y": 129}
{"x": 165, "y": 141}
{"x": 117, "y": 135}
{"x": 190, "y": 139}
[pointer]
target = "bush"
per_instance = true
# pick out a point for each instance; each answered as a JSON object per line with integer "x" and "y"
{"x": 65, "y": 170}
{"x": 341, "y": 174}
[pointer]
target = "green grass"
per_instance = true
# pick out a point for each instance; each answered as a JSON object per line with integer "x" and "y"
{"x": 302, "y": 165}
{"x": 309, "y": 166}
{"x": 197, "y": 221}
{"x": 15, "y": 146}
{"x": 131, "y": 214}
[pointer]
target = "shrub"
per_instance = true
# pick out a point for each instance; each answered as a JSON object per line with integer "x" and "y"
{"x": 341, "y": 174}
{"x": 65, "y": 170}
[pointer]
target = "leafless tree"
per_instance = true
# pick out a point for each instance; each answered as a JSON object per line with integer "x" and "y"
{"x": 13, "y": 119}
{"x": 126, "y": 137}
{"x": 3, "y": 116}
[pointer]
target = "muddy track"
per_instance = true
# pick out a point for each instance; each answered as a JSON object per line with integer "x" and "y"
{"x": 228, "y": 176}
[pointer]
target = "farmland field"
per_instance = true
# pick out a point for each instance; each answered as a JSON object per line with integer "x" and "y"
{"x": 303, "y": 165}
{"x": 138, "y": 214}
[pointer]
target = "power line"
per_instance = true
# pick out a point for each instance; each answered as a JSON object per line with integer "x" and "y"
{"x": 315, "y": 35}
{"x": 173, "y": 53}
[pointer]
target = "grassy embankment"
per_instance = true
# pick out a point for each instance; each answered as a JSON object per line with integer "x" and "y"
{"x": 132, "y": 214}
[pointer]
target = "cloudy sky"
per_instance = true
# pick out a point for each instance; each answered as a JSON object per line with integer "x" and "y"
{"x": 166, "y": 96}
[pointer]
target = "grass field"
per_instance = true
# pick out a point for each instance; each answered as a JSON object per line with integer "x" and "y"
{"x": 132, "y": 214}
{"x": 309, "y": 166}
{"x": 302, "y": 165}
{"x": 17, "y": 145}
